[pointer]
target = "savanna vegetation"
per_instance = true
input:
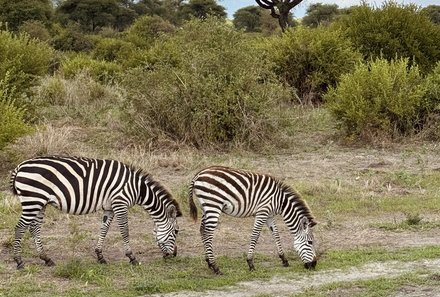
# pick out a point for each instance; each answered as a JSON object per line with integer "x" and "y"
{"x": 344, "y": 106}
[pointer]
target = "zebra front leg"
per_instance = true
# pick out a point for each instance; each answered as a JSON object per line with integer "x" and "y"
{"x": 35, "y": 230}
{"x": 276, "y": 236}
{"x": 107, "y": 218}
{"x": 258, "y": 225}
{"x": 122, "y": 219}
{"x": 207, "y": 227}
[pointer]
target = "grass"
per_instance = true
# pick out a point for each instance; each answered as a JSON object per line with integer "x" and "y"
{"x": 84, "y": 278}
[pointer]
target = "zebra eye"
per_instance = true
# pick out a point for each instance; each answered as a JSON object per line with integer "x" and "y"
{"x": 310, "y": 242}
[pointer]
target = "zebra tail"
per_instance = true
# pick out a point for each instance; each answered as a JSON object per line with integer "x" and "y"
{"x": 192, "y": 205}
{"x": 12, "y": 181}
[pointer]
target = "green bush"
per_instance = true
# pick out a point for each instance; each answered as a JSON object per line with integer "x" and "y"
{"x": 71, "y": 39}
{"x": 214, "y": 92}
{"x": 431, "y": 130}
{"x": 98, "y": 69}
{"x": 393, "y": 31}
{"x": 82, "y": 100}
{"x": 12, "y": 123}
{"x": 35, "y": 29}
{"x": 312, "y": 59}
{"x": 146, "y": 29}
{"x": 380, "y": 99}
{"x": 24, "y": 59}
{"x": 112, "y": 49}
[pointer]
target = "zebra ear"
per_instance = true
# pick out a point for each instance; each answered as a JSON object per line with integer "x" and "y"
{"x": 172, "y": 212}
{"x": 312, "y": 223}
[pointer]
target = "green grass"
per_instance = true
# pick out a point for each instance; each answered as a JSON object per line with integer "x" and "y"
{"x": 378, "y": 287}
{"x": 368, "y": 195}
{"x": 85, "y": 278}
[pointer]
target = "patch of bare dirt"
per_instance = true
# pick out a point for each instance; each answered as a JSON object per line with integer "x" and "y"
{"x": 280, "y": 286}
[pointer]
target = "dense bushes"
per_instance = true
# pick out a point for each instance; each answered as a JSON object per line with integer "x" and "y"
{"x": 214, "y": 91}
{"x": 393, "y": 31}
{"x": 311, "y": 60}
{"x": 381, "y": 98}
{"x": 80, "y": 99}
{"x": 12, "y": 124}
{"x": 24, "y": 58}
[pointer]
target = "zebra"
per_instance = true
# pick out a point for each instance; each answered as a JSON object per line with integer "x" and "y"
{"x": 78, "y": 185}
{"x": 241, "y": 193}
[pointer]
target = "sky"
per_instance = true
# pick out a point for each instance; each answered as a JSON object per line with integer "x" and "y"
{"x": 299, "y": 11}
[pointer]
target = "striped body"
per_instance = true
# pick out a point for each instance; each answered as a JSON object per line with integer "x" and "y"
{"x": 81, "y": 186}
{"x": 242, "y": 193}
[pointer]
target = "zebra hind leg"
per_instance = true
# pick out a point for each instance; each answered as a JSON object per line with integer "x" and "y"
{"x": 207, "y": 228}
{"x": 35, "y": 230}
{"x": 21, "y": 227}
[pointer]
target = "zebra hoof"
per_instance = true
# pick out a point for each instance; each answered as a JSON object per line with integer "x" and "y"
{"x": 102, "y": 261}
{"x": 134, "y": 262}
{"x": 49, "y": 263}
{"x": 286, "y": 263}
{"x": 20, "y": 266}
{"x": 251, "y": 264}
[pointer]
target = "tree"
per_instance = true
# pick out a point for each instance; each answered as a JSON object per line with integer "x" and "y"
{"x": 319, "y": 13}
{"x": 16, "y": 12}
{"x": 280, "y": 9}
{"x": 433, "y": 13}
{"x": 248, "y": 18}
{"x": 93, "y": 14}
{"x": 202, "y": 9}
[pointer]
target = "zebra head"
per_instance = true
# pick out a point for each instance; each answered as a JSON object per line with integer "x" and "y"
{"x": 166, "y": 231}
{"x": 304, "y": 242}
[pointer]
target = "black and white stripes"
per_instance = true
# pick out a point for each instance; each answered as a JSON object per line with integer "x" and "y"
{"x": 241, "y": 193}
{"x": 81, "y": 186}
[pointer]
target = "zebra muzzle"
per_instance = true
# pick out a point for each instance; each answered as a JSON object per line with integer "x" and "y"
{"x": 310, "y": 265}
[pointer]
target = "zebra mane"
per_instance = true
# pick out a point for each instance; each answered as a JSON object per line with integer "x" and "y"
{"x": 148, "y": 177}
{"x": 294, "y": 196}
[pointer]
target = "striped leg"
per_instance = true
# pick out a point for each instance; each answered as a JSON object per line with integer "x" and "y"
{"x": 260, "y": 219}
{"x": 121, "y": 213}
{"x": 208, "y": 224}
{"x": 35, "y": 230}
{"x": 276, "y": 236}
{"x": 28, "y": 215}
{"x": 107, "y": 218}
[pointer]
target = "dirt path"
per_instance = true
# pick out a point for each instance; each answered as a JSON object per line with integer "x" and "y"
{"x": 281, "y": 286}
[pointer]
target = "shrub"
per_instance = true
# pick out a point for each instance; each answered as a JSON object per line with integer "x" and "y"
{"x": 71, "y": 39}
{"x": 12, "y": 123}
{"x": 431, "y": 130}
{"x": 80, "y": 99}
{"x": 35, "y": 29}
{"x": 215, "y": 90}
{"x": 24, "y": 59}
{"x": 98, "y": 69}
{"x": 393, "y": 31}
{"x": 380, "y": 98}
{"x": 112, "y": 49}
{"x": 312, "y": 59}
{"x": 146, "y": 29}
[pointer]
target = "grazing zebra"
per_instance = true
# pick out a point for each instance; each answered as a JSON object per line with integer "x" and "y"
{"x": 241, "y": 193}
{"x": 78, "y": 186}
